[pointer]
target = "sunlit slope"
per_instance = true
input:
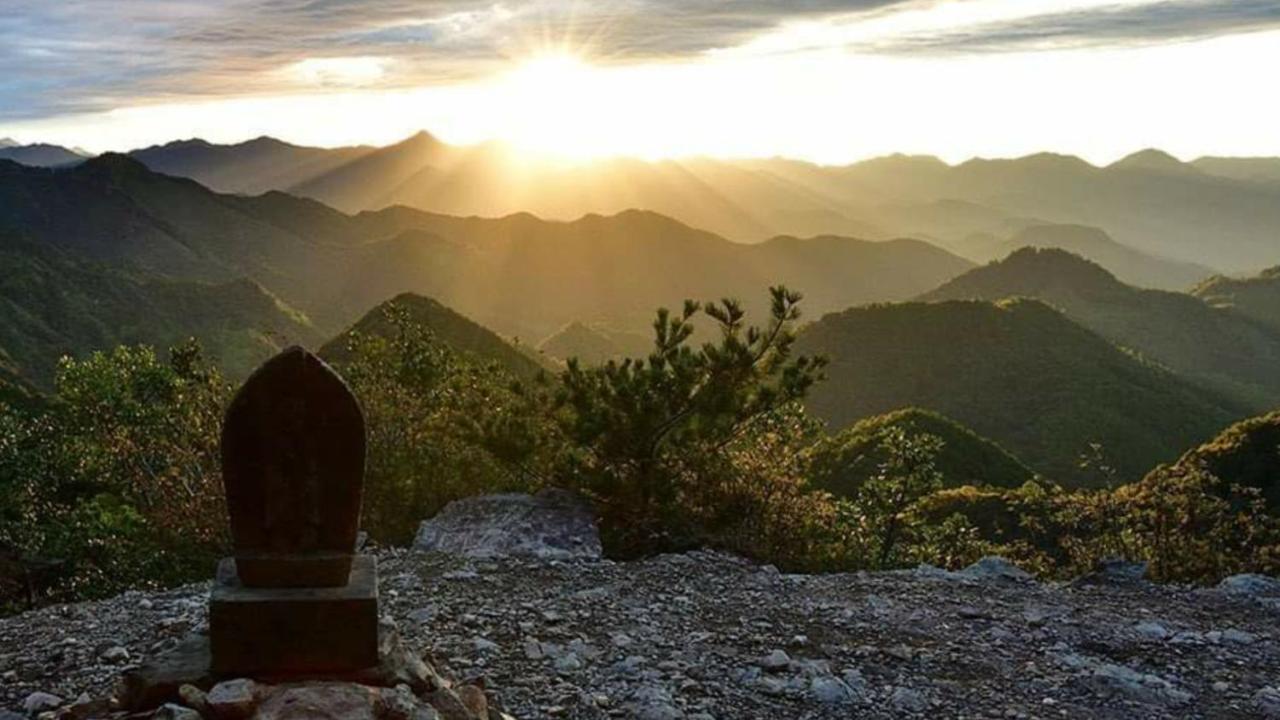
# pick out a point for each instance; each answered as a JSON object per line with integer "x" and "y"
{"x": 1150, "y": 201}
{"x": 1018, "y": 372}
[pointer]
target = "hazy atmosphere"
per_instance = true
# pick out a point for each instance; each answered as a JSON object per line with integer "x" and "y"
{"x": 639, "y": 359}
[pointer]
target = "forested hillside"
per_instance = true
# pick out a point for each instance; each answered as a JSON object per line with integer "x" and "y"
{"x": 1220, "y": 347}
{"x": 1018, "y": 372}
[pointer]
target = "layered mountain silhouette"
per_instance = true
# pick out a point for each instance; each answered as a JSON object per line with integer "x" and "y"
{"x": 1017, "y": 372}
{"x": 1149, "y": 201}
{"x": 1132, "y": 266}
{"x": 521, "y": 276}
{"x": 40, "y": 154}
{"x": 1217, "y": 346}
{"x": 1257, "y": 297}
{"x": 595, "y": 344}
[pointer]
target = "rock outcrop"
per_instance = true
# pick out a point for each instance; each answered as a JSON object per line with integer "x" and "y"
{"x": 554, "y": 524}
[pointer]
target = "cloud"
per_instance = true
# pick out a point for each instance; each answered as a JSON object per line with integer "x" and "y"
{"x": 76, "y": 56}
{"x": 84, "y": 55}
{"x": 1143, "y": 24}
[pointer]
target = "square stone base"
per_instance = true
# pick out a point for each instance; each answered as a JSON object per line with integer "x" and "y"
{"x": 255, "y": 631}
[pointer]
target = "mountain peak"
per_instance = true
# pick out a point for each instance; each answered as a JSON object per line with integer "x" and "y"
{"x": 1152, "y": 159}
{"x": 8, "y": 142}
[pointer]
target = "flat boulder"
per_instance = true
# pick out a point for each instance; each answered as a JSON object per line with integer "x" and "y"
{"x": 551, "y": 525}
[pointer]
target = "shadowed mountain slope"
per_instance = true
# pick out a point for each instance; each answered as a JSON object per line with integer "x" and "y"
{"x": 1219, "y": 347}
{"x": 966, "y": 458}
{"x": 1017, "y": 372}
{"x": 449, "y": 327}
{"x": 54, "y": 305}
{"x": 1258, "y": 296}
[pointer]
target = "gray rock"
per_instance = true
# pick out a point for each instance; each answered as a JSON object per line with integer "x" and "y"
{"x": 115, "y": 654}
{"x": 1151, "y": 631}
{"x": 38, "y": 702}
{"x": 1238, "y": 637}
{"x": 653, "y": 702}
{"x": 906, "y": 700}
{"x": 232, "y": 699}
{"x": 1267, "y": 702}
{"x": 1115, "y": 571}
{"x": 830, "y": 690}
{"x": 172, "y": 711}
{"x": 553, "y": 524}
{"x": 1250, "y": 584}
{"x": 775, "y": 661}
{"x": 994, "y": 568}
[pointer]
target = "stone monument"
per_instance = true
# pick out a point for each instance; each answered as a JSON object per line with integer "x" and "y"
{"x": 295, "y": 599}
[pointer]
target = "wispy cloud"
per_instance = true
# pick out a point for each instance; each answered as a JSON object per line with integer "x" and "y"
{"x": 1135, "y": 25}
{"x": 87, "y": 55}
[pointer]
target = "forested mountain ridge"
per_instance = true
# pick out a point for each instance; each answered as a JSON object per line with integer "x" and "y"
{"x": 454, "y": 330}
{"x": 1017, "y": 372}
{"x": 1217, "y": 346}
{"x": 520, "y": 275}
{"x": 1257, "y": 296}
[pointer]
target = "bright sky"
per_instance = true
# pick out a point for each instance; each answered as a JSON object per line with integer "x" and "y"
{"x": 824, "y": 80}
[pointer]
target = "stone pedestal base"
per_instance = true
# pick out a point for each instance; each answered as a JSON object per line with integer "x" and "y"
{"x": 255, "y": 631}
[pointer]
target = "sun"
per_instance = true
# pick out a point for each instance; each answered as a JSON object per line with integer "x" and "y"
{"x": 555, "y": 102}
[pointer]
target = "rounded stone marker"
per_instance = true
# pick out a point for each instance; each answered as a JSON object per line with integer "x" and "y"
{"x": 293, "y": 455}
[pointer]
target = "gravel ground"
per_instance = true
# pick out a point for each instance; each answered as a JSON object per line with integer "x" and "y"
{"x": 706, "y": 635}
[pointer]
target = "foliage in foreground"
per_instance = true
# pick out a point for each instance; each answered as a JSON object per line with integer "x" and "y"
{"x": 114, "y": 482}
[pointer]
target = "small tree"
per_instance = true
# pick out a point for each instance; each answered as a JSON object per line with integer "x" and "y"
{"x": 908, "y": 473}
{"x": 642, "y": 430}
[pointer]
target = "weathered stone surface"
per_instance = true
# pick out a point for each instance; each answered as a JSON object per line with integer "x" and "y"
{"x": 257, "y": 630}
{"x": 1114, "y": 571}
{"x": 233, "y": 699}
{"x": 38, "y": 702}
{"x": 158, "y": 680}
{"x": 320, "y": 701}
{"x": 293, "y": 454}
{"x": 554, "y": 524}
{"x": 995, "y": 568}
{"x": 1252, "y": 585}
{"x": 173, "y": 711}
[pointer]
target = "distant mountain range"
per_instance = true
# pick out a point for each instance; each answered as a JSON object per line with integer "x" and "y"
{"x": 522, "y": 276}
{"x": 1257, "y": 297}
{"x": 1017, "y": 372}
{"x": 39, "y": 155}
{"x": 1216, "y": 346}
{"x": 1132, "y": 266}
{"x": 1210, "y": 212}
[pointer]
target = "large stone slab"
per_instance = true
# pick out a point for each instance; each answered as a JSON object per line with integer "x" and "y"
{"x": 257, "y": 630}
{"x": 554, "y": 524}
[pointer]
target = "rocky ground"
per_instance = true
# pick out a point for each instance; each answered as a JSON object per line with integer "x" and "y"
{"x": 705, "y": 635}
